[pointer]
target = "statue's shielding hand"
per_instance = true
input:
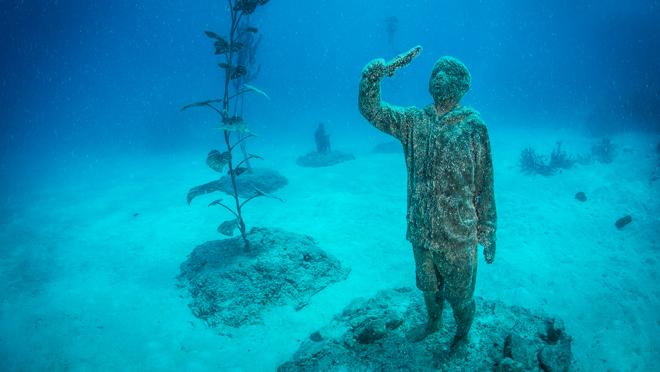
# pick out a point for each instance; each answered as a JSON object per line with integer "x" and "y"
{"x": 378, "y": 68}
{"x": 489, "y": 252}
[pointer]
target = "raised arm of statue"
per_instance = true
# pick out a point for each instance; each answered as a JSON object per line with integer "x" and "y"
{"x": 390, "y": 119}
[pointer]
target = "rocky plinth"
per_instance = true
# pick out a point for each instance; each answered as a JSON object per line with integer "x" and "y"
{"x": 325, "y": 159}
{"x": 372, "y": 335}
{"x": 229, "y": 286}
{"x": 264, "y": 179}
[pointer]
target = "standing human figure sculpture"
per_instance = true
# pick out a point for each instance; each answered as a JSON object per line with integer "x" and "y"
{"x": 451, "y": 204}
{"x": 322, "y": 140}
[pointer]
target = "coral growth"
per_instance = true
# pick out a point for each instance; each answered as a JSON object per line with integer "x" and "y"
{"x": 532, "y": 163}
{"x": 559, "y": 159}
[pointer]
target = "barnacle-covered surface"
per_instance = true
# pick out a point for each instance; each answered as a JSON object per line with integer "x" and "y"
{"x": 372, "y": 334}
{"x": 229, "y": 287}
{"x": 450, "y": 174}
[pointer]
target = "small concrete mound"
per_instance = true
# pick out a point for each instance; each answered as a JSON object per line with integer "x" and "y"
{"x": 264, "y": 179}
{"x": 230, "y": 286}
{"x": 373, "y": 335}
{"x": 325, "y": 159}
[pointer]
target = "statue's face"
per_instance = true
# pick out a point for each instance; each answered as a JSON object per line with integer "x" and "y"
{"x": 450, "y": 80}
{"x": 442, "y": 89}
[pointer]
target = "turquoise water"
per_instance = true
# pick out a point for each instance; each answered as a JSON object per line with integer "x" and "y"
{"x": 97, "y": 158}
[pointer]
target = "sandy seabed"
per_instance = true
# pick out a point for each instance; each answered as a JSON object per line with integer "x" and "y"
{"x": 88, "y": 285}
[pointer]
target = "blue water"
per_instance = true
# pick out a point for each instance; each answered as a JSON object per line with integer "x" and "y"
{"x": 92, "y": 132}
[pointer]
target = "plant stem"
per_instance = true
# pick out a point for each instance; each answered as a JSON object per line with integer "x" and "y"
{"x": 225, "y": 105}
{"x": 241, "y": 140}
{"x": 239, "y": 215}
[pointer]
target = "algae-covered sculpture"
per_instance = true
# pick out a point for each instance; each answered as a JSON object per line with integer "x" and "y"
{"x": 234, "y": 129}
{"x": 323, "y": 156}
{"x": 451, "y": 204}
{"x": 250, "y": 39}
{"x": 322, "y": 139}
{"x": 231, "y": 282}
{"x": 265, "y": 179}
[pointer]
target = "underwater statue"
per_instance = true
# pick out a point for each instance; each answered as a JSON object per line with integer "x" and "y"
{"x": 324, "y": 156}
{"x": 451, "y": 205}
{"x": 322, "y": 139}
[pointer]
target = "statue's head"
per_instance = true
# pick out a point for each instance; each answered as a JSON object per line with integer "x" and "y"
{"x": 450, "y": 80}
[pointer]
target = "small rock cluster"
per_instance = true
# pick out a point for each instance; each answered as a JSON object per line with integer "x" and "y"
{"x": 623, "y": 221}
{"x": 581, "y": 196}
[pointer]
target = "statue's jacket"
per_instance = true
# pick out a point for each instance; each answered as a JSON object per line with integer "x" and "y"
{"x": 450, "y": 173}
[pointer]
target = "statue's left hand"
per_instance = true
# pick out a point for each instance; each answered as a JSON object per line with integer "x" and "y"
{"x": 489, "y": 252}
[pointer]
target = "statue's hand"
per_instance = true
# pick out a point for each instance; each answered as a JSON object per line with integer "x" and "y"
{"x": 401, "y": 60}
{"x": 489, "y": 252}
{"x": 374, "y": 70}
{"x": 378, "y": 68}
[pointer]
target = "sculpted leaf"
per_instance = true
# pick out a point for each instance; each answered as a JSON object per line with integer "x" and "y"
{"x": 227, "y": 228}
{"x": 217, "y": 160}
{"x": 203, "y": 189}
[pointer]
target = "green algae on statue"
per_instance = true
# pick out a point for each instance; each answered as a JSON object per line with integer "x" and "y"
{"x": 232, "y": 123}
{"x": 451, "y": 205}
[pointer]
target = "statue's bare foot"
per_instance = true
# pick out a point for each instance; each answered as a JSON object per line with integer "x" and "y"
{"x": 418, "y": 334}
{"x": 458, "y": 342}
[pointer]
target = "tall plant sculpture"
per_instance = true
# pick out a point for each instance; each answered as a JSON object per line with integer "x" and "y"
{"x": 247, "y": 56}
{"x": 233, "y": 127}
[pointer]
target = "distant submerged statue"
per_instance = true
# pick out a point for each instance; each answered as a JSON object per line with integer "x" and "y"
{"x": 391, "y": 27}
{"x": 324, "y": 156}
{"x": 451, "y": 205}
{"x": 322, "y": 139}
